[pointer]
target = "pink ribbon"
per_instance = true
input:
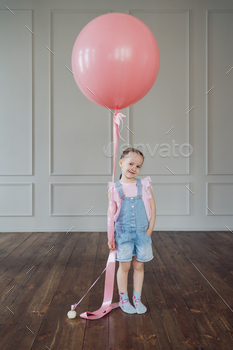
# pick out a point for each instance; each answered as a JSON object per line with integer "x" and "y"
{"x": 109, "y": 270}
{"x": 116, "y": 122}
{"x": 107, "y": 304}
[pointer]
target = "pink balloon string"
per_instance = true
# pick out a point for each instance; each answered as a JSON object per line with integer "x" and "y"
{"x": 109, "y": 270}
{"x": 116, "y": 122}
{"x": 75, "y": 305}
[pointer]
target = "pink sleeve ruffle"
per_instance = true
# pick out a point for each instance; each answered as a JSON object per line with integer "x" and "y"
{"x": 146, "y": 182}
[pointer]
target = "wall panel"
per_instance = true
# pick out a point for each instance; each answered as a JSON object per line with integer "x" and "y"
{"x": 16, "y": 92}
{"x": 219, "y": 98}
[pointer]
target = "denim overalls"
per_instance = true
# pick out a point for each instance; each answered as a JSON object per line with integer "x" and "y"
{"x": 131, "y": 225}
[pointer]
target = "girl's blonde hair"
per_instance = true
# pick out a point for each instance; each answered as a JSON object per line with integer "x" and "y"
{"x": 127, "y": 151}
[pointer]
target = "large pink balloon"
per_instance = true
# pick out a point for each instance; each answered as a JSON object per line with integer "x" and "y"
{"x": 115, "y": 60}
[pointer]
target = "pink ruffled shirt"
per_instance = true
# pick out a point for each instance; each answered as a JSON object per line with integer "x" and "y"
{"x": 130, "y": 190}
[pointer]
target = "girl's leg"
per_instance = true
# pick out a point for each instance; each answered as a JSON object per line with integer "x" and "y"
{"x": 138, "y": 277}
{"x": 138, "y": 274}
{"x": 122, "y": 281}
{"x": 122, "y": 276}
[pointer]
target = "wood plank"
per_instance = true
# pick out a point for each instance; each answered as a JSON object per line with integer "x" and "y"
{"x": 19, "y": 250}
{"x": 190, "y": 331}
{"x": 221, "y": 236}
{"x": 120, "y": 330}
{"x": 215, "y": 303}
{"x": 197, "y": 293}
{"x": 166, "y": 331}
{"x": 206, "y": 245}
{"x": 98, "y": 330}
{"x": 12, "y": 290}
{"x": 222, "y": 243}
{"x": 218, "y": 275}
{"x": 20, "y": 262}
{"x": 73, "y": 331}
{"x": 11, "y": 241}
{"x": 41, "y": 300}
{"x": 216, "y": 267}
{"x": 143, "y": 329}
{"x": 9, "y": 322}
{"x": 4, "y": 235}
{"x": 120, "y": 326}
{"x": 52, "y": 325}
{"x": 168, "y": 334}
{"x": 184, "y": 311}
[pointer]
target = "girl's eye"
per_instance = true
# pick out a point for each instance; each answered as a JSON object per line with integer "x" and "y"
{"x": 137, "y": 166}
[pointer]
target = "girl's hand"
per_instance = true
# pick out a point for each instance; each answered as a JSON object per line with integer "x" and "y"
{"x": 112, "y": 247}
{"x": 149, "y": 232}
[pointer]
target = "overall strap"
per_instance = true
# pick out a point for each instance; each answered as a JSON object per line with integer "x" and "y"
{"x": 119, "y": 189}
{"x": 139, "y": 187}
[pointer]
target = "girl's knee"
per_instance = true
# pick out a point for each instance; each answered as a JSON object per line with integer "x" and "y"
{"x": 138, "y": 265}
{"x": 125, "y": 265}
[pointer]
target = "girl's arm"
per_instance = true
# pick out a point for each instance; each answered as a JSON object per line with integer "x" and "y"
{"x": 113, "y": 247}
{"x": 153, "y": 213}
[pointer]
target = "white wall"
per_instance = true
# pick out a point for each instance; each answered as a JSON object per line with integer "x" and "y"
{"x": 53, "y": 168}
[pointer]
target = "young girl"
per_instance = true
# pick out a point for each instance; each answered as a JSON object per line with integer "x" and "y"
{"x": 135, "y": 214}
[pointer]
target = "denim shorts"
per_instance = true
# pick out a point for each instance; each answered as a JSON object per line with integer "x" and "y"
{"x": 133, "y": 241}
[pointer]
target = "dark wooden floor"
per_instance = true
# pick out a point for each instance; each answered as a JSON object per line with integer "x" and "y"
{"x": 188, "y": 290}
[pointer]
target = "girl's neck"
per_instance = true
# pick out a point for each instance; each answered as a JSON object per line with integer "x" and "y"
{"x": 128, "y": 182}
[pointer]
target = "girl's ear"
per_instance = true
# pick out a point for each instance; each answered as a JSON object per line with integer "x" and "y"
{"x": 120, "y": 162}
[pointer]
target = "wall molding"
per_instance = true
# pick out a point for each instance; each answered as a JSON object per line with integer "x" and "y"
{"x": 53, "y": 184}
{"x": 208, "y": 185}
{"x": 19, "y": 184}
{"x": 207, "y": 88}
{"x": 51, "y": 114}
{"x": 31, "y": 97}
{"x": 187, "y": 12}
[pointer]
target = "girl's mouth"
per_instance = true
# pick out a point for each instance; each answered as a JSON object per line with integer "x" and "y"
{"x": 131, "y": 172}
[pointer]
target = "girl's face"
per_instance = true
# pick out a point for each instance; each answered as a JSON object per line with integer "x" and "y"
{"x": 130, "y": 166}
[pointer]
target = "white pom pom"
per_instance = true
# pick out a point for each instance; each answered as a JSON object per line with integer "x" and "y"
{"x": 71, "y": 314}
